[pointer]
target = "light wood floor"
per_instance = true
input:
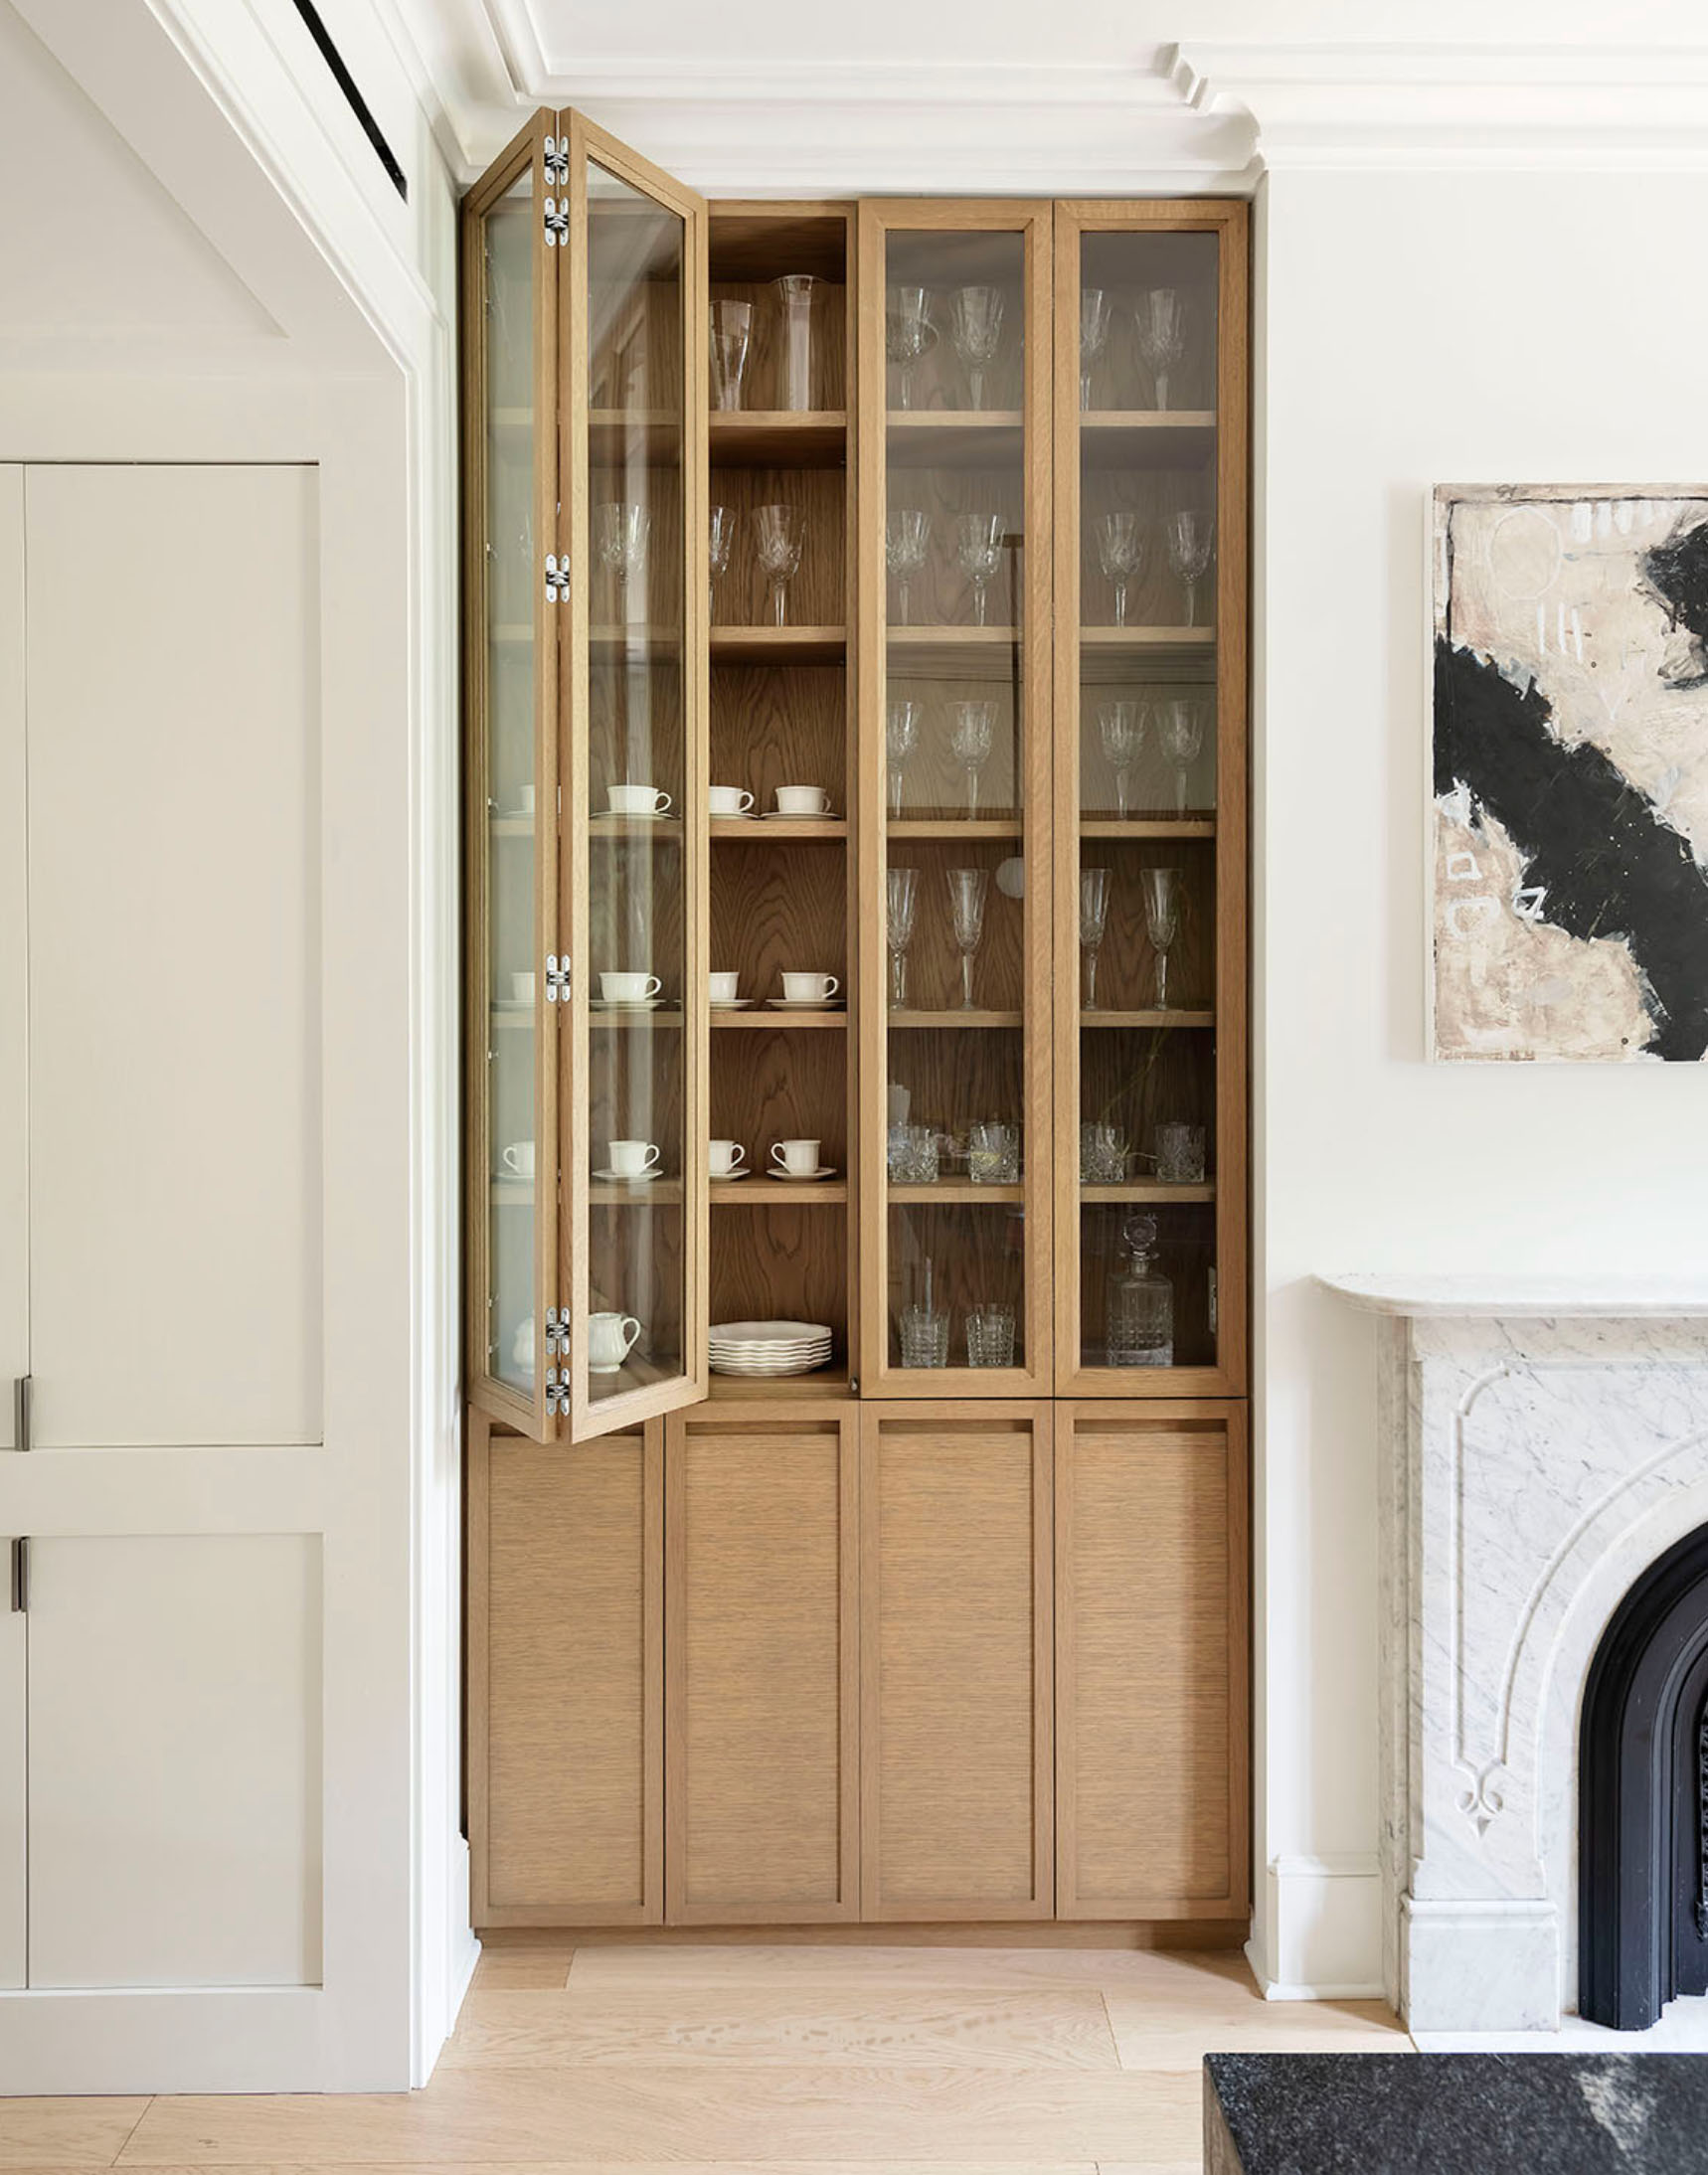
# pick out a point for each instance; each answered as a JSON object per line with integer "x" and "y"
{"x": 784, "y": 2060}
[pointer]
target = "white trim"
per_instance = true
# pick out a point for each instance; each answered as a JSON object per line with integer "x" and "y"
{"x": 1283, "y": 1990}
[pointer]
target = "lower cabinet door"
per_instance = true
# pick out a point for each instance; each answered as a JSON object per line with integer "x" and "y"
{"x": 762, "y": 1671}
{"x": 956, "y": 1634}
{"x": 566, "y": 1678}
{"x": 1152, "y": 1628}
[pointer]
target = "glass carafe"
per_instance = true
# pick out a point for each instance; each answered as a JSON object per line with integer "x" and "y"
{"x": 1139, "y": 1309}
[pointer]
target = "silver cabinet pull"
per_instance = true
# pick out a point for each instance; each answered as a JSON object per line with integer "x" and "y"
{"x": 21, "y": 1413}
{"x": 21, "y": 1576}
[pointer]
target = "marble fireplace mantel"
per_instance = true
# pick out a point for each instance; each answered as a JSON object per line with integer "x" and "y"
{"x": 1542, "y": 1441}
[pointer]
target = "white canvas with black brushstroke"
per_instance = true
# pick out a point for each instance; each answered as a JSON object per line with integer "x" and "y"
{"x": 1570, "y": 750}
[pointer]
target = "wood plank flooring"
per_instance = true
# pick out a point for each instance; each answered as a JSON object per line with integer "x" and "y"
{"x": 757, "y": 2059}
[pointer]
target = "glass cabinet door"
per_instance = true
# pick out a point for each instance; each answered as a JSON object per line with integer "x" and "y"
{"x": 510, "y": 650}
{"x": 954, "y": 450}
{"x": 634, "y": 536}
{"x": 1151, "y": 894}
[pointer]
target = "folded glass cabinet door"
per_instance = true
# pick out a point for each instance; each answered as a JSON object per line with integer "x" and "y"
{"x": 955, "y": 692}
{"x": 1150, "y": 873}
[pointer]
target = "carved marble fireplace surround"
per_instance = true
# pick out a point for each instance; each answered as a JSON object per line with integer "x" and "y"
{"x": 1541, "y": 1444}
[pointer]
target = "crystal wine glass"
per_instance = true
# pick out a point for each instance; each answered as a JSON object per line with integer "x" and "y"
{"x": 1093, "y": 336}
{"x": 906, "y": 536}
{"x": 1161, "y": 921}
{"x": 967, "y": 893}
{"x": 902, "y": 887}
{"x": 1161, "y": 335}
{"x": 1094, "y": 919}
{"x": 778, "y": 552}
{"x": 979, "y": 549}
{"x": 901, "y": 737}
{"x": 1191, "y": 539}
{"x": 1122, "y": 726}
{"x": 623, "y": 531}
{"x": 1121, "y": 554}
{"x": 732, "y": 329}
{"x": 907, "y": 332}
{"x": 722, "y": 538}
{"x": 1180, "y": 728}
{"x": 975, "y": 326}
{"x": 972, "y": 738}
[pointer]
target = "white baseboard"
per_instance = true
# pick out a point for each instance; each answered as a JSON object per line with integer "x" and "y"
{"x": 1275, "y": 1989}
{"x": 1325, "y": 1911}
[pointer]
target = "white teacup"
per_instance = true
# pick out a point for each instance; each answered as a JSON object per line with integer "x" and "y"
{"x": 809, "y": 989}
{"x": 806, "y": 800}
{"x": 726, "y": 1157}
{"x": 723, "y": 988}
{"x": 639, "y": 800}
{"x": 629, "y": 988}
{"x": 611, "y": 1339}
{"x": 728, "y": 800}
{"x": 800, "y": 1157}
{"x": 521, "y": 988}
{"x": 628, "y": 1158}
{"x": 519, "y": 1157}
{"x": 525, "y": 801}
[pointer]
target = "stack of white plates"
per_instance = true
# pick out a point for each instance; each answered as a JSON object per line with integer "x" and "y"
{"x": 769, "y": 1348}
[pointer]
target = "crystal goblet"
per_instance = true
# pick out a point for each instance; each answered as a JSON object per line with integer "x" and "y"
{"x": 908, "y": 333}
{"x": 1120, "y": 726}
{"x": 901, "y": 737}
{"x": 1161, "y": 335}
{"x": 623, "y": 531}
{"x": 906, "y": 533}
{"x": 720, "y": 540}
{"x": 1095, "y": 886}
{"x": 902, "y": 887}
{"x": 1121, "y": 554}
{"x": 971, "y": 737}
{"x": 1180, "y": 729}
{"x": 978, "y": 548}
{"x": 975, "y": 328}
{"x": 1161, "y": 888}
{"x": 731, "y": 331}
{"x": 1191, "y": 540}
{"x": 966, "y": 894}
{"x": 1095, "y": 320}
{"x": 779, "y": 541}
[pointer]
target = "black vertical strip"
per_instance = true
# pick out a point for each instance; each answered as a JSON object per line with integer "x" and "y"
{"x": 358, "y": 104}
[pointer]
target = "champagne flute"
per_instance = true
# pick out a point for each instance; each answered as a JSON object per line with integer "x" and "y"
{"x": 1180, "y": 728}
{"x": 622, "y": 533}
{"x": 972, "y": 738}
{"x": 901, "y": 737}
{"x": 1121, "y": 554}
{"x": 907, "y": 332}
{"x": 1161, "y": 921}
{"x": 1191, "y": 540}
{"x": 732, "y": 329}
{"x": 1094, "y": 919}
{"x": 1094, "y": 321}
{"x": 1161, "y": 335}
{"x": 902, "y": 888}
{"x": 778, "y": 552}
{"x": 966, "y": 894}
{"x": 906, "y": 536}
{"x": 975, "y": 326}
{"x": 979, "y": 551}
{"x": 1121, "y": 727}
{"x": 722, "y": 538}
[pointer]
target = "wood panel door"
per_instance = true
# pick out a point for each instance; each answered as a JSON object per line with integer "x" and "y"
{"x": 956, "y": 1661}
{"x": 566, "y": 1679}
{"x": 763, "y": 1660}
{"x": 1151, "y": 1667}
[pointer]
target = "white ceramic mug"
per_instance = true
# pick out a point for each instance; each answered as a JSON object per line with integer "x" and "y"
{"x": 726, "y": 1157}
{"x": 728, "y": 800}
{"x": 519, "y": 1158}
{"x": 802, "y": 800}
{"x": 809, "y": 989}
{"x": 521, "y": 988}
{"x": 799, "y": 1157}
{"x": 639, "y": 800}
{"x": 723, "y": 988}
{"x": 629, "y": 988}
{"x": 611, "y": 1339}
{"x": 628, "y": 1158}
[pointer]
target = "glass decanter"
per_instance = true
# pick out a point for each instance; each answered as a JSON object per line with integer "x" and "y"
{"x": 1138, "y": 1326}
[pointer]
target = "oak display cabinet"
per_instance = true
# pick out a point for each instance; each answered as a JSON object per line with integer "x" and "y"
{"x": 952, "y": 1629}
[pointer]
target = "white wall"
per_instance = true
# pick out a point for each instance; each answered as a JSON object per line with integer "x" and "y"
{"x": 1413, "y": 329}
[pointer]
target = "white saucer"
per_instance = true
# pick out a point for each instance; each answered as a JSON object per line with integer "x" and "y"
{"x": 729, "y": 1004}
{"x": 728, "y": 1178}
{"x": 638, "y": 815}
{"x": 818, "y": 815}
{"x": 625, "y": 1004}
{"x": 805, "y": 1004}
{"x": 515, "y": 815}
{"x": 801, "y": 1178}
{"x": 629, "y": 1178}
{"x": 742, "y": 815}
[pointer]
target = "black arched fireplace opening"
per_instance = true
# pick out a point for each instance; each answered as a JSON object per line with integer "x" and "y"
{"x": 1642, "y": 1798}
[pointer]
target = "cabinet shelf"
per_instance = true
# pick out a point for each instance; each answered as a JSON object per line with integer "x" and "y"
{"x": 749, "y": 832}
{"x": 510, "y": 826}
{"x": 1107, "y": 639}
{"x": 640, "y": 646}
{"x": 951, "y": 828}
{"x": 1150, "y": 1192}
{"x": 778, "y": 438}
{"x": 953, "y": 1190}
{"x": 1148, "y": 826}
{"x": 763, "y": 1016}
{"x": 955, "y": 1018}
{"x": 827, "y": 1383}
{"x": 666, "y": 1192}
{"x": 778, "y": 645}
{"x": 1179, "y": 1017}
{"x": 606, "y": 825}
{"x": 1147, "y": 438}
{"x": 948, "y": 438}
{"x": 632, "y": 1022}
{"x": 829, "y": 1193}
{"x": 617, "y": 435}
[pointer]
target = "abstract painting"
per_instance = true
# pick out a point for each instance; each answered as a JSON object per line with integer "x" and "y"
{"x": 1570, "y": 752}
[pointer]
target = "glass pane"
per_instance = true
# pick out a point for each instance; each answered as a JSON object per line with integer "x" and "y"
{"x": 637, "y": 907}
{"x": 509, "y": 787}
{"x": 955, "y": 725}
{"x": 1146, "y": 844}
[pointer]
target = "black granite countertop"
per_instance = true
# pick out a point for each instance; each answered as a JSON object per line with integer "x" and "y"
{"x": 1495, "y": 2113}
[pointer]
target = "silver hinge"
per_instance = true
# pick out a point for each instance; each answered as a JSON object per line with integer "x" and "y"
{"x": 20, "y": 1576}
{"x": 555, "y": 155}
{"x": 557, "y": 1332}
{"x": 557, "y": 218}
{"x": 557, "y": 978}
{"x": 557, "y": 577}
{"x": 557, "y": 1391}
{"x": 21, "y": 1413}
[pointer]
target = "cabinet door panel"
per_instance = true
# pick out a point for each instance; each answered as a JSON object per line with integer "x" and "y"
{"x": 956, "y": 1634}
{"x": 762, "y": 1712}
{"x": 14, "y": 1774}
{"x": 14, "y": 964}
{"x": 1150, "y": 1662}
{"x": 564, "y": 1737}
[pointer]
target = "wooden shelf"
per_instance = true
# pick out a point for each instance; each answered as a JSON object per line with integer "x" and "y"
{"x": 956, "y": 1018}
{"x": 826, "y": 1193}
{"x": 953, "y": 637}
{"x": 1144, "y": 1190}
{"x": 510, "y": 826}
{"x": 1146, "y": 639}
{"x": 778, "y": 438}
{"x": 606, "y": 825}
{"x": 778, "y": 645}
{"x": 665, "y": 1016}
{"x": 763, "y": 1016}
{"x": 948, "y": 438}
{"x": 953, "y": 1190}
{"x": 617, "y": 435}
{"x": 953, "y": 828}
{"x": 748, "y": 831}
{"x": 640, "y": 645}
{"x": 507, "y": 1018}
{"x": 1147, "y": 438}
{"x": 602, "y": 1192}
{"x": 827, "y": 1382}
{"x": 511, "y": 1193}
{"x": 1148, "y": 826}
{"x": 1173, "y": 1018}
